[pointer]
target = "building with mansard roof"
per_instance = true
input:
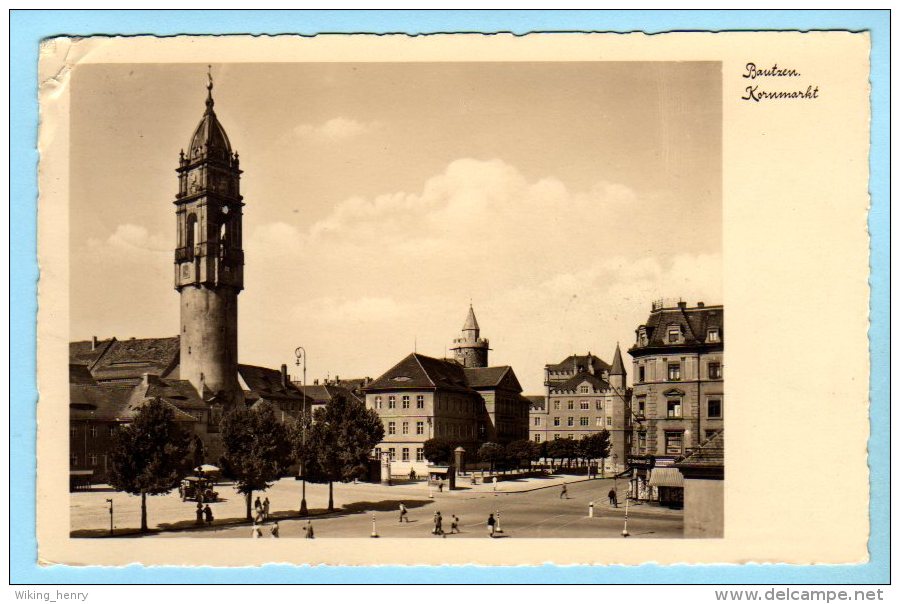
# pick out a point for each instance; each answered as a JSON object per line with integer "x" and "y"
{"x": 679, "y": 399}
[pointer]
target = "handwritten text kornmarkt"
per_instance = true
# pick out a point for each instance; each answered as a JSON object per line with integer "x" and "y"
{"x": 754, "y": 93}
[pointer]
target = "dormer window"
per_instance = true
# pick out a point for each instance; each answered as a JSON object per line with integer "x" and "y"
{"x": 583, "y": 389}
{"x": 712, "y": 334}
{"x": 674, "y": 335}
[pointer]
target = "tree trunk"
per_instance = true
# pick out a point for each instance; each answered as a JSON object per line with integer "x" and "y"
{"x": 330, "y": 496}
{"x": 249, "y": 496}
{"x": 143, "y": 512}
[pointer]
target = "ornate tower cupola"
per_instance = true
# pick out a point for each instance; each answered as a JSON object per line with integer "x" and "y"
{"x": 209, "y": 258}
{"x": 470, "y": 350}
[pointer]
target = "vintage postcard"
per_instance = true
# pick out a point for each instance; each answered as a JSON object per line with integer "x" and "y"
{"x": 454, "y": 299}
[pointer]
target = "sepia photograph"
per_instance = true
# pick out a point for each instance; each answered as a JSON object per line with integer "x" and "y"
{"x": 457, "y": 300}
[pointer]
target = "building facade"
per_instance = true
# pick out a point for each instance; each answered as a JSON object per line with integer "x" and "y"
{"x": 585, "y": 395}
{"x": 678, "y": 399}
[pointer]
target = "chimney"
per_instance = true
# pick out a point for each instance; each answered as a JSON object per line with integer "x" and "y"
{"x": 93, "y": 342}
{"x": 284, "y": 376}
{"x": 700, "y": 305}
{"x": 682, "y": 304}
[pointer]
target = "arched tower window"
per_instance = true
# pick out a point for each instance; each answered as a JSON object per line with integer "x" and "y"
{"x": 193, "y": 234}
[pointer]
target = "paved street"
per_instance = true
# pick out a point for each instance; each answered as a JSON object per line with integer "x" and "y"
{"x": 529, "y": 514}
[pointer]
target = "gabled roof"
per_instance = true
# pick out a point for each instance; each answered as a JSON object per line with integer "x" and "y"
{"x": 572, "y": 384}
{"x": 130, "y": 359}
{"x": 79, "y": 374}
{"x": 417, "y": 371}
{"x": 324, "y": 393}
{"x": 86, "y": 352}
{"x": 582, "y": 362}
{"x": 492, "y": 377}
{"x": 267, "y": 383}
{"x": 180, "y": 393}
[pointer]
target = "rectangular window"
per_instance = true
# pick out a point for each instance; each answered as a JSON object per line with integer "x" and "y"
{"x": 392, "y": 427}
{"x": 392, "y": 453}
{"x": 641, "y": 407}
{"x": 537, "y": 438}
{"x": 609, "y": 421}
{"x": 570, "y": 421}
{"x": 599, "y": 421}
{"x": 584, "y": 421}
{"x": 674, "y": 335}
{"x": 93, "y": 459}
{"x": 585, "y": 405}
{"x": 420, "y": 454}
{"x": 378, "y": 402}
{"x": 599, "y": 406}
{"x": 715, "y": 371}
{"x": 714, "y": 407}
{"x": 571, "y": 437}
{"x": 537, "y": 421}
{"x": 73, "y": 459}
{"x": 556, "y": 405}
{"x": 674, "y": 372}
{"x": 556, "y": 437}
{"x": 405, "y": 454}
{"x": 673, "y": 408}
{"x": 674, "y": 443}
{"x": 405, "y": 428}
{"x": 94, "y": 431}
{"x": 641, "y": 373}
{"x": 420, "y": 427}
{"x": 570, "y": 404}
{"x": 405, "y": 400}
{"x": 420, "y": 401}
{"x": 712, "y": 335}
{"x": 392, "y": 402}
{"x": 555, "y": 421}
{"x": 642, "y": 441}
{"x": 378, "y": 452}
{"x": 584, "y": 390}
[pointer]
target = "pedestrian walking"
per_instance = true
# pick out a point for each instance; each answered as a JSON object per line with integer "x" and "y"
{"x": 207, "y": 513}
{"x": 265, "y": 507}
{"x": 403, "y": 513}
{"x": 308, "y": 529}
{"x": 613, "y": 498}
{"x": 454, "y": 524}
{"x": 257, "y": 505}
{"x": 199, "y": 513}
{"x": 495, "y": 484}
{"x": 491, "y": 524}
{"x": 258, "y": 517}
{"x": 564, "y": 492}
{"x": 256, "y": 533}
{"x": 274, "y": 530}
{"x": 440, "y": 486}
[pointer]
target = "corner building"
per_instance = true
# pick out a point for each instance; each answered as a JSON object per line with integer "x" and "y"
{"x": 678, "y": 400}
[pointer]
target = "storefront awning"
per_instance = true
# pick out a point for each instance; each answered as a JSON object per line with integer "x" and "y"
{"x": 666, "y": 477}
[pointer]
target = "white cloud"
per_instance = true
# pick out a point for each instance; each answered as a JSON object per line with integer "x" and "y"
{"x": 335, "y": 129}
{"x": 131, "y": 238}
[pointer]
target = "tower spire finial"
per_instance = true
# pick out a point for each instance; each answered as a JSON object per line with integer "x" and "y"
{"x": 209, "y": 87}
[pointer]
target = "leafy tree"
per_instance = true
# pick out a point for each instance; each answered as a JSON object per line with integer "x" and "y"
{"x": 196, "y": 452}
{"x": 257, "y": 449}
{"x": 562, "y": 449}
{"x": 342, "y": 434}
{"x": 439, "y": 451}
{"x": 596, "y": 446}
{"x": 522, "y": 452}
{"x": 491, "y": 453}
{"x": 150, "y": 455}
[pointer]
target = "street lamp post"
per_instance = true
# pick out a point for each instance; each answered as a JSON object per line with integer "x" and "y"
{"x": 300, "y": 353}
{"x": 110, "y": 502}
{"x": 616, "y": 474}
{"x": 625, "y": 532}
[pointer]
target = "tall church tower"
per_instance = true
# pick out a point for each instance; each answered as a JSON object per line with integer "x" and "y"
{"x": 209, "y": 260}
{"x": 471, "y": 350}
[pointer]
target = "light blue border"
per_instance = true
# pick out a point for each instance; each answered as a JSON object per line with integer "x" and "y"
{"x": 27, "y": 28}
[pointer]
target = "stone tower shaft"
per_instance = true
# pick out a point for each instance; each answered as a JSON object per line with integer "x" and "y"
{"x": 471, "y": 350}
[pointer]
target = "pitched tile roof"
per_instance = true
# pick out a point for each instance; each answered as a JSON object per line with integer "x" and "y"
{"x": 86, "y": 353}
{"x": 538, "y": 401}
{"x": 490, "y": 377}
{"x": 180, "y": 393}
{"x": 324, "y": 393}
{"x": 79, "y": 374}
{"x": 267, "y": 383}
{"x": 130, "y": 359}
{"x": 572, "y": 384}
{"x": 582, "y": 362}
{"x": 99, "y": 402}
{"x": 710, "y": 453}
{"x": 618, "y": 368}
{"x": 417, "y": 371}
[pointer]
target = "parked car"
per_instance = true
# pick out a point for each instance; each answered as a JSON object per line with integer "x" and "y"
{"x": 198, "y": 489}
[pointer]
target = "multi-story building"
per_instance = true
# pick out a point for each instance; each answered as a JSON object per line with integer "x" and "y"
{"x": 678, "y": 399}
{"x": 462, "y": 399}
{"x": 585, "y": 395}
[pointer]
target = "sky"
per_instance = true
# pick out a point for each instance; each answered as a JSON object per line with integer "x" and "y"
{"x": 560, "y": 199}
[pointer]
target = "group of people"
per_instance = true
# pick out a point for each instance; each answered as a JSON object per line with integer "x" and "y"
{"x": 256, "y": 531}
{"x": 262, "y": 510}
{"x": 438, "y": 520}
{"x": 204, "y": 514}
